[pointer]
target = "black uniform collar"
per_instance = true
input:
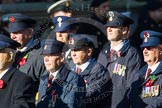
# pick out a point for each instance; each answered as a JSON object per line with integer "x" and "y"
{"x": 7, "y": 76}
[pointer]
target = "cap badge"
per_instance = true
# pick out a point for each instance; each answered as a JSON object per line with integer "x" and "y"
{"x": 12, "y": 19}
{"x": 71, "y": 41}
{"x": 146, "y": 36}
{"x": 111, "y": 14}
{"x": 67, "y": 3}
{"x": 45, "y": 47}
{"x": 59, "y": 21}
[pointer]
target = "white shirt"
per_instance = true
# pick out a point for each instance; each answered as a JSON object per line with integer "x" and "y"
{"x": 84, "y": 66}
{"x": 154, "y": 67}
{"x": 55, "y": 73}
{"x": 24, "y": 48}
{"x": 118, "y": 47}
{"x": 3, "y": 73}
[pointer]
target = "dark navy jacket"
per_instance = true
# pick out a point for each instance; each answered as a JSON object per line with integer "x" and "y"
{"x": 138, "y": 82}
{"x": 68, "y": 93}
{"x": 122, "y": 66}
{"x": 98, "y": 85}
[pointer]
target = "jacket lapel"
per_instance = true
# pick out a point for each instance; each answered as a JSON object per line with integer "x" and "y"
{"x": 88, "y": 69}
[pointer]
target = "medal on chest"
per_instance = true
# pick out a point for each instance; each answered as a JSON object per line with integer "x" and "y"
{"x": 52, "y": 98}
{"x": 119, "y": 69}
{"x": 150, "y": 90}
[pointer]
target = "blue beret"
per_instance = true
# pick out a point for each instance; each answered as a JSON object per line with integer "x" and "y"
{"x": 150, "y": 38}
{"x": 96, "y": 3}
{"x": 116, "y": 19}
{"x": 77, "y": 41}
{"x": 52, "y": 46}
{"x": 61, "y": 23}
{"x": 5, "y": 19}
{"x": 20, "y": 22}
{"x": 6, "y": 42}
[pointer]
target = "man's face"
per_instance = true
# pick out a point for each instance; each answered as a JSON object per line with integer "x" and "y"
{"x": 22, "y": 36}
{"x": 62, "y": 36}
{"x": 114, "y": 33}
{"x": 53, "y": 62}
{"x": 151, "y": 55}
{"x": 102, "y": 9}
{"x": 156, "y": 15}
{"x": 4, "y": 59}
{"x": 81, "y": 55}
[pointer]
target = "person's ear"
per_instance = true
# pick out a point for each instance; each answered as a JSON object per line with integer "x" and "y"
{"x": 90, "y": 50}
{"x": 125, "y": 30}
{"x": 10, "y": 56}
{"x": 62, "y": 58}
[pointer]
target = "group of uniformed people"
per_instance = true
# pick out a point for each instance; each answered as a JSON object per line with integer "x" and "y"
{"x": 69, "y": 68}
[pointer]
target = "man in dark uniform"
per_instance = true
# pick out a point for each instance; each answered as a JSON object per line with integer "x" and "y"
{"x": 121, "y": 60}
{"x": 28, "y": 58}
{"x": 146, "y": 89}
{"x": 60, "y": 8}
{"x": 96, "y": 77}
{"x": 99, "y": 8}
{"x": 16, "y": 89}
{"x": 66, "y": 88}
{"x": 150, "y": 18}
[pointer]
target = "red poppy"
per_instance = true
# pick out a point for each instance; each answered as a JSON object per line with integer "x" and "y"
{"x": 12, "y": 19}
{"x": 1, "y": 84}
{"x": 53, "y": 92}
{"x": 22, "y": 61}
{"x": 149, "y": 83}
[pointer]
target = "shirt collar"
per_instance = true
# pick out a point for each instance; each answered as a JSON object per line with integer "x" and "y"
{"x": 118, "y": 47}
{"x": 3, "y": 73}
{"x": 27, "y": 46}
{"x": 154, "y": 67}
{"x": 84, "y": 66}
{"x": 55, "y": 73}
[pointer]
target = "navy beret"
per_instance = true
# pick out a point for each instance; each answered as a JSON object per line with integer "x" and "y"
{"x": 52, "y": 46}
{"x": 61, "y": 23}
{"x": 96, "y": 3}
{"x": 116, "y": 19}
{"x": 6, "y": 42}
{"x": 151, "y": 38}
{"x": 20, "y": 22}
{"x": 77, "y": 41}
{"x": 5, "y": 19}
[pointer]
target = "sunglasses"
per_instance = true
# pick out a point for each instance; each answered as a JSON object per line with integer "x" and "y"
{"x": 151, "y": 48}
